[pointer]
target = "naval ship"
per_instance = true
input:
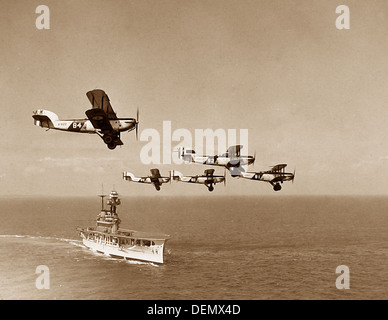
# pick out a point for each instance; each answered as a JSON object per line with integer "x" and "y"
{"x": 107, "y": 238}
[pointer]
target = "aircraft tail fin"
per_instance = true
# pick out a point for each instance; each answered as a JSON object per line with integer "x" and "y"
{"x": 186, "y": 155}
{"x": 175, "y": 175}
{"x": 44, "y": 118}
{"x": 129, "y": 176}
{"x": 181, "y": 152}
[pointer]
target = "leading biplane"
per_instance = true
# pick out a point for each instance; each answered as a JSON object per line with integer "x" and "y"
{"x": 231, "y": 159}
{"x": 155, "y": 178}
{"x": 208, "y": 178}
{"x": 101, "y": 119}
{"x": 275, "y": 176}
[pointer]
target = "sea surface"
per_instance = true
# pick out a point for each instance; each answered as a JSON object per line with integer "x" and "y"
{"x": 244, "y": 248}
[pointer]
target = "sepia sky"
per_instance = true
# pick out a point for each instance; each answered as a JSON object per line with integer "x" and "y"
{"x": 310, "y": 95}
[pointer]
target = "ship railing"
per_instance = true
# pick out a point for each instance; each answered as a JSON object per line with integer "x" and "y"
{"x": 132, "y": 235}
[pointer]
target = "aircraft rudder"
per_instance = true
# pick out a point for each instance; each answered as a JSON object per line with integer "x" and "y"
{"x": 175, "y": 175}
{"x": 128, "y": 176}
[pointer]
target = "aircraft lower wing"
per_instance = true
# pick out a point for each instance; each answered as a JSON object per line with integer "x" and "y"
{"x": 100, "y": 121}
{"x": 238, "y": 171}
{"x": 218, "y": 179}
{"x": 162, "y": 180}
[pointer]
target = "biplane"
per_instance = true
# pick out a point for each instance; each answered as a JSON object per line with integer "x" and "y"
{"x": 275, "y": 176}
{"x": 231, "y": 159}
{"x": 208, "y": 178}
{"x": 101, "y": 119}
{"x": 155, "y": 178}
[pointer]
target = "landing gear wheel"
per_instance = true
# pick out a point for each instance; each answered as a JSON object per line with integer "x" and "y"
{"x": 107, "y": 139}
{"x": 112, "y": 145}
{"x": 277, "y": 187}
{"x": 211, "y": 188}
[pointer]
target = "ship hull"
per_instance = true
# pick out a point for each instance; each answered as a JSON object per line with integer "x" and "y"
{"x": 153, "y": 253}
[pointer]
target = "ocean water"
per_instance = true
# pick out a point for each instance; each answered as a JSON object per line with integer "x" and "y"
{"x": 243, "y": 248}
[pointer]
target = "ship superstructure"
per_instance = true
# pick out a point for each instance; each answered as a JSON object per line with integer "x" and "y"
{"x": 107, "y": 238}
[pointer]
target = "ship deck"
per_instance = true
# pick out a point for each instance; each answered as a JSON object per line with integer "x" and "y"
{"x": 128, "y": 234}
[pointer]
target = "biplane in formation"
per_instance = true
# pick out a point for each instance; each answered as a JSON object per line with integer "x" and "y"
{"x": 237, "y": 165}
{"x": 101, "y": 119}
{"x": 155, "y": 178}
{"x": 231, "y": 159}
{"x": 208, "y": 178}
{"x": 275, "y": 176}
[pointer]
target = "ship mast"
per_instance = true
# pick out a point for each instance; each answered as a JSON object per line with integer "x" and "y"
{"x": 102, "y": 196}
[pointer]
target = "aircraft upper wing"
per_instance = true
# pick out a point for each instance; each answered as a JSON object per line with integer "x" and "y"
{"x": 209, "y": 172}
{"x": 234, "y": 151}
{"x": 155, "y": 173}
{"x": 278, "y": 167}
{"x": 100, "y": 100}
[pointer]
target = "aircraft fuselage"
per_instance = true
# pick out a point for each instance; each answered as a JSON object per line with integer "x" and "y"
{"x": 223, "y": 161}
{"x": 268, "y": 177}
{"x": 84, "y": 125}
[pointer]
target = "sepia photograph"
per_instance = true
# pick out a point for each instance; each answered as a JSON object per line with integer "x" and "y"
{"x": 167, "y": 151}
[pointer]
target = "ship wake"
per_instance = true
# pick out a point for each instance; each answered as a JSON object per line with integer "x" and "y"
{"x": 38, "y": 238}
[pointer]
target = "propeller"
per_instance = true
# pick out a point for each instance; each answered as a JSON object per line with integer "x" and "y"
{"x": 137, "y": 124}
{"x": 293, "y": 177}
{"x": 224, "y": 177}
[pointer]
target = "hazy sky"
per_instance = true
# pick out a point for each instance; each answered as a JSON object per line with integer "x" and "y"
{"x": 311, "y": 96}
